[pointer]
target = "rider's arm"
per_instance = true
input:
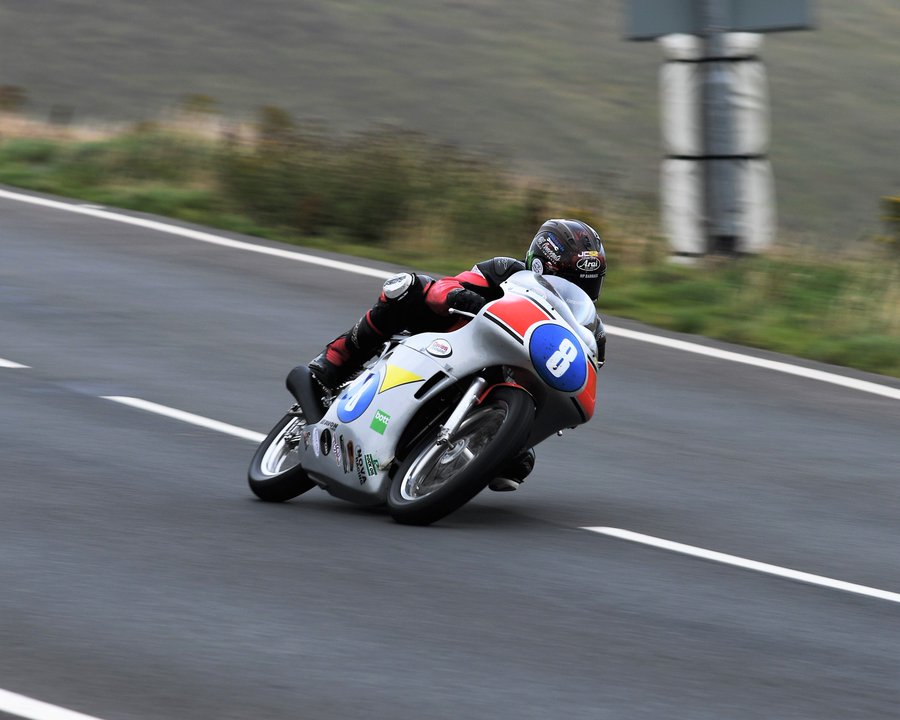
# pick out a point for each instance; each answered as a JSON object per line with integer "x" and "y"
{"x": 600, "y": 337}
{"x": 459, "y": 292}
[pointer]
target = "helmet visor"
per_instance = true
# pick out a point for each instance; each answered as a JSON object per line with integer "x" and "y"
{"x": 591, "y": 283}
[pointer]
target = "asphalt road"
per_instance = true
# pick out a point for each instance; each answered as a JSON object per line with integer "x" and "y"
{"x": 139, "y": 578}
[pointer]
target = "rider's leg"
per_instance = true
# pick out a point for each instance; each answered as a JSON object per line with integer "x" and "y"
{"x": 515, "y": 471}
{"x": 401, "y": 301}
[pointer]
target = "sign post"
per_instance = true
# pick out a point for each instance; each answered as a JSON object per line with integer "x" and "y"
{"x": 711, "y": 20}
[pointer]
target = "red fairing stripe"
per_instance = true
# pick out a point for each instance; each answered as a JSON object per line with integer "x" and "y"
{"x": 588, "y": 397}
{"x": 495, "y": 386}
{"x": 517, "y": 313}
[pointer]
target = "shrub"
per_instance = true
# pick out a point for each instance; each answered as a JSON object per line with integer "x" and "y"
{"x": 34, "y": 151}
{"x": 891, "y": 217}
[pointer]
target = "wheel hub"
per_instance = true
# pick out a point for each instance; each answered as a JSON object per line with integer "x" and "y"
{"x": 453, "y": 451}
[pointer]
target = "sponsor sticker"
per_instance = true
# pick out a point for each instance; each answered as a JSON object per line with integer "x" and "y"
{"x": 548, "y": 247}
{"x": 316, "y": 442}
{"x": 537, "y": 266}
{"x": 360, "y": 467}
{"x": 325, "y": 440}
{"x": 380, "y": 421}
{"x": 591, "y": 263}
{"x": 306, "y": 437}
{"x": 346, "y": 456}
{"x": 440, "y": 348}
{"x": 371, "y": 465}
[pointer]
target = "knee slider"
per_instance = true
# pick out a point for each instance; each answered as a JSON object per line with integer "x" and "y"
{"x": 404, "y": 286}
{"x": 396, "y": 287}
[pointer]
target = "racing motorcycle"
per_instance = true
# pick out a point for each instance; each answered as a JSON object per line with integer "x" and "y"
{"x": 429, "y": 423}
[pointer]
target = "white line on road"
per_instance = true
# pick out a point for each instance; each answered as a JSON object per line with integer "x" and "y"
{"x": 809, "y": 373}
{"x": 196, "y": 235}
{"x": 25, "y": 707}
{"x": 747, "y": 564}
{"x": 819, "y": 375}
{"x": 187, "y": 417}
{"x": 10, "y": 364}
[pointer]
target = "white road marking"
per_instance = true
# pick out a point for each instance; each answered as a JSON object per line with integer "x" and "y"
{"x": 26, "y": 707}
{"x": 819, "y": 375}
{"x": 187, "y": 417}
{"x": 196, "y": 235}
{"x": 11, "y": 365}
{"x": 747, "y": 564}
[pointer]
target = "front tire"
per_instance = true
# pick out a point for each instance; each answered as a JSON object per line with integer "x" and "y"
{"x": 434, "y": 480}
{"x": 275, "y": 473}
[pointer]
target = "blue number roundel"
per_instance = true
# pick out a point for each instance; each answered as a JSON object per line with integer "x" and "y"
{"x": 355, "y": 400}
{"x": 558, "y": 358}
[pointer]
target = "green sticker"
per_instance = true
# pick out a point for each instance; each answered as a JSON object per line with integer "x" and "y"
{"x": 380, "y": 421}
{"x": 371, "y": 465}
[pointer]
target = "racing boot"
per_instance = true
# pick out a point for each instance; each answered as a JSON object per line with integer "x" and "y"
{"x": 328, "y": 376}
{"x": 514, "y": 473}
{"x": 344, "y": 356}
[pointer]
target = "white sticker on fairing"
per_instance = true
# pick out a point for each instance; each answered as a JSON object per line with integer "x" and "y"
{"x": 537, "y": 266}
{"x": 440, "y": 348}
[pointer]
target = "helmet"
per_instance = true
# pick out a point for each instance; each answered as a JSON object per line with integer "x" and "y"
{"x": 572, "y": 250}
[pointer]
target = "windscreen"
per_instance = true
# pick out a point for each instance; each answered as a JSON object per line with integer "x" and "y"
{"x": 566, "y": 297}
{"x": 569, "y": 300}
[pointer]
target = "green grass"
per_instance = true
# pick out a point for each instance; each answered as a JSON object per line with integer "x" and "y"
{"x": 844, "y": 311}
{"x": 397, "y": 197}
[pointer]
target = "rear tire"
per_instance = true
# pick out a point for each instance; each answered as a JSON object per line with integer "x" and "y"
{"x": 434, "y": 480}
{"x": 275, "y": 473}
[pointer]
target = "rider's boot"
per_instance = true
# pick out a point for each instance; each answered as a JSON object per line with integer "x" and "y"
{"x": 328, "y": 375}
{"x": 344, "y": 356}
{"x": 510, "y": 477}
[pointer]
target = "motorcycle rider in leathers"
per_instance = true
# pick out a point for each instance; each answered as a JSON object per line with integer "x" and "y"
{"x": 418, "y": 303}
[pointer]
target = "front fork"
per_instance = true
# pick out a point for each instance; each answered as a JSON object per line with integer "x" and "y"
{"x": 469, "y": 399}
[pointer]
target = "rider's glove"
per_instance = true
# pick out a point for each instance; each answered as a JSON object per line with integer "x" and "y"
{"x": 465, "y": 300}
{"x": 600, "y": 337}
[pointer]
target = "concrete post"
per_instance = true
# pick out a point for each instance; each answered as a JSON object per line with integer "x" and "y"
{"x": 720, "y": 191}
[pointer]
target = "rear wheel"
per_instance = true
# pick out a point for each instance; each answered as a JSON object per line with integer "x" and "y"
{"x": 275, "y": 473}
{"x": 434, "y": 480}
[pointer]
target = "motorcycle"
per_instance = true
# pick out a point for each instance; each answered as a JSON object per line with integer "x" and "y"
{"x": 431, "y": 421}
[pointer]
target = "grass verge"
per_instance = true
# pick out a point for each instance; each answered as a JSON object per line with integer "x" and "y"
{"x": 397, "y": 197}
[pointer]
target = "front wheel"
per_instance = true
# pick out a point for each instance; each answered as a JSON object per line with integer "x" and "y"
{"x": 434, "y": 480}
{"x": 275, "y": 474}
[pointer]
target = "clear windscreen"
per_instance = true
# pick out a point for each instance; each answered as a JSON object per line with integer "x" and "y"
{"x": 568, "y": 299}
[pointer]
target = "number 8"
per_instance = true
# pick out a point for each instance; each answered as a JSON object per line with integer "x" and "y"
{"x": 354, "y": 397}
{"x": 562, "y": 359}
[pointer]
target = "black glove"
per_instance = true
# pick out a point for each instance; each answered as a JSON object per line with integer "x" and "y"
{"x": 465, "y": 300}
{"x": 600, "y": 337}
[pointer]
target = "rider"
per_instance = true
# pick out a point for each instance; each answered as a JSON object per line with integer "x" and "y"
{"x": 417, "y": 303}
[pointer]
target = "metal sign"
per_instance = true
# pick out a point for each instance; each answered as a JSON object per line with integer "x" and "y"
{"x": 650, "y": 19}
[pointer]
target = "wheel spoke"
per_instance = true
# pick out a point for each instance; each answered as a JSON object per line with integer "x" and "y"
{"x": 282, "y": 455}
{"x": 437, "y": 465}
